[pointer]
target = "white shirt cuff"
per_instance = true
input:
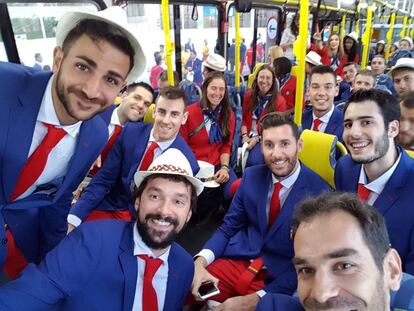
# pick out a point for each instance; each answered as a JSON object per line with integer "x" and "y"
{"x": 260, "y": 293}
{"x": 74, "y": 220}
{"x": 207, "y": 254}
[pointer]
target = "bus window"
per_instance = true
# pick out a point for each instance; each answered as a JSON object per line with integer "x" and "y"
{"x": 3, "y": 56}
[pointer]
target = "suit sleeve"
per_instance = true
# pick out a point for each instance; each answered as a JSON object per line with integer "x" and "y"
{"x": 101, "y": 183}
{"x": 65, "y": 271}
{"x": 235, "y": 219}
{"x": 337, "y": 176}
{"x": 245, "y": 109}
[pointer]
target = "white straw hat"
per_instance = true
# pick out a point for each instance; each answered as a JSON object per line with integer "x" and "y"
{"x": 206, "y": 174}
{"x": 170, "y": 162}
{"x": 403, "y": 63}
{"x": 215, "y": 62}
{"x": 313, "y": 58}
{"x": 113, "y": 15}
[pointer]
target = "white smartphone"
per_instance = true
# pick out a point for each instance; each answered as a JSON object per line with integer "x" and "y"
{"x": 208, "y": 289}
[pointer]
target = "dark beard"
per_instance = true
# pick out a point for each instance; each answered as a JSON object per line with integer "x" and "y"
{"x": 62, "y": 98}
{"x": 147, "y": 234}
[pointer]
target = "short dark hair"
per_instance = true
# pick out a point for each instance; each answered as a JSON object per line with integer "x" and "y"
{"x": 371, "y": 222}
{"x": 379, "y": 56}
{"x": 322, "y": 69}
{"x": 366, "y": 73}
{"x": 163, "y": 76}
{"x": 176, "y": 178}
{"x": 387, "y": 104}
{"x": 131, "y": 87}
{"x": 100, "y": 31}
{"x": 276, "y": 119}
{"x": 172, "y": 93}
{"x": 282, "y": 65}
{"x": 408, "y": 100}
{"x": 349, "y": 64}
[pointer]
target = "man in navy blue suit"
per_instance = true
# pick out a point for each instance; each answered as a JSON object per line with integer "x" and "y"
{"x": 377, "y": 168}
{"x": 49, "y": 136}
{"x": 256, "y": 232}
{"x": 323, "y": 116}
{"x": 109, "y": 192}
{"x": 119, "y": 265}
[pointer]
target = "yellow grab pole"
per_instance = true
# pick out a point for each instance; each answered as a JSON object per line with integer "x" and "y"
{"x": 237, "y": 49}
{"x": 412, "y": 28}
{"x": 168, "y": 46}
{"x": 300, "y": 53}
{"x": 343, "y": 24}
{"x": 389, "y": 37}
{"x": 366, "y": 38}
{"x": 402, "y": 33}
{"x": 357, "y": 23}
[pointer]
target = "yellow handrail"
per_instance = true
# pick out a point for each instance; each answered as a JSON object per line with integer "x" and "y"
{"x": 366, "y": 38}
{"x": 343, "y": 23}
{"x": 357, "y": 23}
{"x": 299, "y": 49}
{"x": 402, "y": 33}
{"x": 168, "y": 46}
{"x": 389, "y": 37}
{"x": 237, "y": 49}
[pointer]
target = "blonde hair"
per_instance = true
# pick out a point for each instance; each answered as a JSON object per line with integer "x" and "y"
{"x": 275, "y": 52}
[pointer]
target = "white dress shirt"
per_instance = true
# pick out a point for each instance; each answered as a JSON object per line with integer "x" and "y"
{"x": 58, "y": 160}
{"x": 162, "y": 146}
{"x": 325, "y": 119}
{"x": 114, "y": 121}
{"x": 376, "y": 186}
{"x": 159, "y": 282}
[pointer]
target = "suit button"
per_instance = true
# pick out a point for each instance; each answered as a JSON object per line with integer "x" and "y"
{"x": 4, "y": 241}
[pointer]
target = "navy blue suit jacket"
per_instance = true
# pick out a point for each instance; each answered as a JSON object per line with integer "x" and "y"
{"x": 107, "y": 114}
{"x": 279, "y": 302}
{"x": 37, "y": 222}
{"x": 395, "y": 202}
{"x": 335, "y": 125}
{"x": 110, "y": 188}
{"x": 93, "y": 268}
{"x": 244, "y": 233}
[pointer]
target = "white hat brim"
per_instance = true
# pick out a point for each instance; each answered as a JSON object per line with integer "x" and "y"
{"x": 69, "y": 20}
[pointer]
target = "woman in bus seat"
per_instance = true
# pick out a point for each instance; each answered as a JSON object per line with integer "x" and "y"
{"x": 289, "y": 36}
{"x": 332, "y": 54}
{"x": 209, "y": 132}
{"x": 263, "y": 98}
{"x": 378, "y": 50}
{"x": 350, "y": 44}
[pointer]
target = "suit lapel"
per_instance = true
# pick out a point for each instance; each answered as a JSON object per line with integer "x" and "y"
{"x": 261, "y": 202}
{"x": 333, "y": 123}
{"x": 21, "y": 125}
{"x": 139, "y": 151}
{"x": 129, "y": 267}
{"x": 307, "y": 120}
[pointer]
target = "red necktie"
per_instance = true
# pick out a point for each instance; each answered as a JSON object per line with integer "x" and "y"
{"x": 111, "y": 141}
{"x": 148, "y": 157}
{"x": 316, "y": 124}
{"x": 37, "y": 161}
{"x": 149, "y": 296}
{"x": 274, "y": 203}
{"x": 363, "y": 192}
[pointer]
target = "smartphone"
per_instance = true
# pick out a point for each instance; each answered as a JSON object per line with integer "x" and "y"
{"x": 208, "y": 289}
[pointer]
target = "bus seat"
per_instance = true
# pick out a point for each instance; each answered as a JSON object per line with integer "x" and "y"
{"x": 118, "y": 100}
{"x": 403, "y": 299}
{"x": 192, "y": 91}
{"x": 410, "y": 153}
{"x": 252, "y": 76}
{"x": 318, "y": 153}
{"x": 149, "y": 115}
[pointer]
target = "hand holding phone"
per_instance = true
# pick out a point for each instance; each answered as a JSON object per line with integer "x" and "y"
{"x": 207, "y": 290}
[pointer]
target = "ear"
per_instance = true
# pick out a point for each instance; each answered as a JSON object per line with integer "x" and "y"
{"x": 190, "y": 213}
{"x": 393, "y": 128}
{"x": 57, "y": 58}
{"x": 392, "y": 270}
{"x": 123, "y": 96}
{"x": 336, "y": 89}
{"x": 184, "y": 118}
{"x": 300, "y": 144}
{"x": 137, "y": 202}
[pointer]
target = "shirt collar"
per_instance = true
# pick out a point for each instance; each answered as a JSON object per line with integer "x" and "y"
{"x": 140, "y": 248}
{"x": 47, "y": 113}
{"x": 288, "y": 182}
{"x": 163, "y": 145}
{"x": 325, "y": 118}
{"x": 378, "y": 184}
{"x": 115, "y": 117}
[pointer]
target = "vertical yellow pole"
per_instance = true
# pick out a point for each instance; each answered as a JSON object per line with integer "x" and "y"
{"x": 168, "y": 46}
{"x": 300, "y": 53}
{"x": 343, "y": 24}
{"x": 389, "y": 37}
{"x": 357, "y": 23}
{"x": 366, "y": 38}
{"x": 412, "y": 28}
{"x": 237, "y": 49}
{"x": 402, "y": 33}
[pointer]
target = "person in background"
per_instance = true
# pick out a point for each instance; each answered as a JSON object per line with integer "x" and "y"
{"x": 53, "y": 117}
{"x": 209, "y": 132}
{"x": 289, "y": 36}
{"x": 205, "y": 51}
{"x": 193, "y": 67}
{"x": 364, "y": 80}
{"x": 378, "y": 50}
{"x": 287, "y": 82}
{"x": 332, "y": 54}
{"x": 38, "y": 61}
{"x": 119, "y": 265}
{"x": 405, "y": 47}
{"x": 378, "y": 66}
{"x": 350, "y": 44}
{"x": 274, "y": 52}
{"x": 162, "y": 80}
{"x": 312, "y": 59}
{"x": 232, "y": 54}
{"x": 263, "y": 98}
{"x": 189, "y": 46}
{"x": 406, "y": 135}
{"x": 349, "y": 71}
{"x": 403, "y": 76}
{"x": 156, "y": 70}
{"x": 214, "y": 62}
{"x": 394, "y": 48}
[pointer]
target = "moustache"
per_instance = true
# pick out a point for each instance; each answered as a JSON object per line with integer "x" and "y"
{"x": 171, "y": 220}
{"x": 334, "y": 303}
{"x": 81, "y": 94}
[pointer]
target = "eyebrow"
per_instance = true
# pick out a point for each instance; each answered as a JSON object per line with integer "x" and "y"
{"x": 359, "y": 118}
{"x": 340, "y": 253}
{"x": 93, "y": 64}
